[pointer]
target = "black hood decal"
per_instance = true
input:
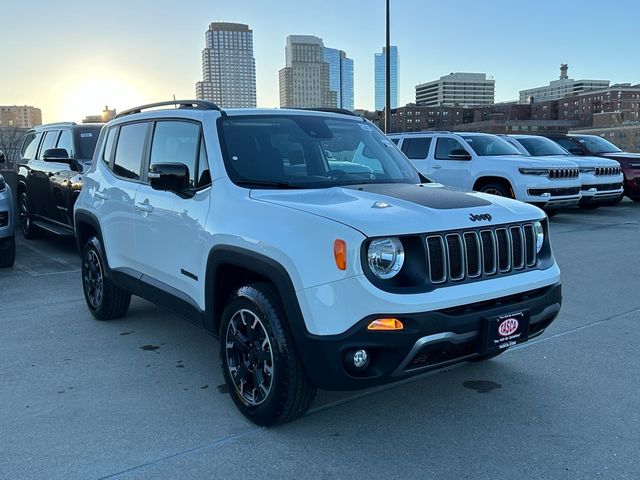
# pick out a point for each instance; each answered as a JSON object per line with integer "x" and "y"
{"x": 431, "y": 197}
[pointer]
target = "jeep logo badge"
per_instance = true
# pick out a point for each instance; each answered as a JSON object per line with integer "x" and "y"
{"x": 482, "y": 216}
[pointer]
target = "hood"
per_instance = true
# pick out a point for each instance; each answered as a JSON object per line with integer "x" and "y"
{"x": 585, "y": 161}
{"x": 401, "y": 209}
{"x": 628, "y": 159}
{"x": 524, "y": 161}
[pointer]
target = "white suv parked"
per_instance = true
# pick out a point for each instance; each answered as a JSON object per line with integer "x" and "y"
{"x": 310, "y": 245}
{"x": 487, "y": 163}
{"x": 601, "y": 178}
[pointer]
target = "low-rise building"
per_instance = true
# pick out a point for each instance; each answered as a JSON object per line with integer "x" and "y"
{"x": 457, "y": 89}
{"x": 104, "y": 117}
{"x": 20, "y": 116}
{"x": 560, "y": 88}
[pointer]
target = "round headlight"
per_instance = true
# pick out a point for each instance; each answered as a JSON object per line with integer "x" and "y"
{"x": 539, "y": 231}
{"x": 385, "y": 257}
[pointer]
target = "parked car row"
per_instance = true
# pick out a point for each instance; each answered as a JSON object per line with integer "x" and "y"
{"x": 529, "y": 168}
{"x": 7, "y": 238}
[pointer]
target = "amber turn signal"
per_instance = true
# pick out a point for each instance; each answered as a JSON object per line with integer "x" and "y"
{"x": 386, "y": 324}
{"x": 340, "y": 254}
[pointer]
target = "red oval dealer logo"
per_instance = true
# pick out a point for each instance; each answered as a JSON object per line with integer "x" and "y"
{"x": 508, "y": 327}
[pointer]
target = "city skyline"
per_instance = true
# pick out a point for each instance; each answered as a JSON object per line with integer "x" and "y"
{"x": 105, "y": 57}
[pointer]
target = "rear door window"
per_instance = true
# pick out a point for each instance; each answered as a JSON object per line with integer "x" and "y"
{"x": 446, "y": 146}
{"x": 128, "y": 159}
{"x": 416, "y": 148}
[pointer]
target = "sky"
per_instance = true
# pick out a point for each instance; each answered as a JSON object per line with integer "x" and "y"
{"x": 71, "y": 58}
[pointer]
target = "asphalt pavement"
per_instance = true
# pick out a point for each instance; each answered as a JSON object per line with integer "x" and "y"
{"x": 143, "y": 397}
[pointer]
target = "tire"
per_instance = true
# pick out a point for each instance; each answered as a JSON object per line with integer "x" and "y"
{"x": 7, "y": 252}
{"x": 590, "y": 206}
{"x": 257, "y": 350}
{"x": 104, "y": 299}
{"x": 29, "y": 230}
{"x": 614, "y": 202}
{"x": 551, "y": 213}
{"x": 497, "y": 189}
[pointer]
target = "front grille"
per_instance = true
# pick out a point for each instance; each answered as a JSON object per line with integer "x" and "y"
{"x": 563, "y": 173}
{"x": 555, "y": 192}
{"x": 603, "y": 171}
{"x": 4, "y": 219}
{"x": 453, "y": 257}
{"x": 603, "y": 187}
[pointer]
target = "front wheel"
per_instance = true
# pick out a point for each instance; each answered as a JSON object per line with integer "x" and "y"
{"x": 104, "y": 299}
{"x": 497, "y": 189}
{"x": 260, "y": 363}
{"x": 7, "y": 252}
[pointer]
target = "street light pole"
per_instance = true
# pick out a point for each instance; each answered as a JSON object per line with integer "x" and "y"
{"x": 387, "y": 95}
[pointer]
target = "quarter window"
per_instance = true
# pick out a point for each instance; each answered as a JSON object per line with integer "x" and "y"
{"x": 177, "y": 142}
{"x": 30, "y": 146}
{"x": 129, "y": 150}
{"x": 108, "y": 148}
{"x": 447, "y": 146}
{"x": 416, "y": 148}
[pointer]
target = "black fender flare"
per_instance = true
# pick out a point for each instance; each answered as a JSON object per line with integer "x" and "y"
{"x": 81, "y": 217}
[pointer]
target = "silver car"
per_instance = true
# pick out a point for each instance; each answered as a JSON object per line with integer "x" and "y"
{"x": 7, "y": 239}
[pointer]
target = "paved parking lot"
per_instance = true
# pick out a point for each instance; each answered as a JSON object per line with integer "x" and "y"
{"x": 143, "y": 397}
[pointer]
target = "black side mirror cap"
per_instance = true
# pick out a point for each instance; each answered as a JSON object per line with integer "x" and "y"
{"x": 172, "y": 177}
{"x": 56, "y": 155}
{"x": 459, "y": 154}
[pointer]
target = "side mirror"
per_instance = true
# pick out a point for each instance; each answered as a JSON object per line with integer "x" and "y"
{"x": 459, "y": 154}
{"x": 56, "y": 155}
{"x": 3, "y": 157}
{"x": 173, "y": 177}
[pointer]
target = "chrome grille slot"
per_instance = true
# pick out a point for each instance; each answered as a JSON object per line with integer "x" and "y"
{"x": 504, "y": 249}
{"x": 473, "y": 258}
{"x": 436, "y": 259}
{"x": 530, "y": 245}
{"x": 517, "y": 245}
{"x": 455, "y": 256}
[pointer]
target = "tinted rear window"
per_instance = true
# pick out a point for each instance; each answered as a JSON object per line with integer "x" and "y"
{"x": 86, "y": 141}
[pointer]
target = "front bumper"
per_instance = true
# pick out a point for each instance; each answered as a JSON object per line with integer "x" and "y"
{"x": 429, "y": 340}
{"x": 548, "y": 194}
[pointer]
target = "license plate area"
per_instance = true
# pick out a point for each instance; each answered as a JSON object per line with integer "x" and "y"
{"x": 506, "y": 330}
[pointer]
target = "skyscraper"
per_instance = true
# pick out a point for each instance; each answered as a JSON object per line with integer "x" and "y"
{"x": 340, "y": 77}
{"x": 304, "y": 81}
{"x": 380, "y": 61}
{"x": 228, "y": 66}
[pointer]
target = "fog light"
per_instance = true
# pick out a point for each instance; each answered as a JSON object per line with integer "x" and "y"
{"x": 386, "y": 324}
{"x": 358, "y": 359}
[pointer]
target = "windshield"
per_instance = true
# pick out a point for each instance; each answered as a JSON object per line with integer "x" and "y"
{"x": 596, "y": 145}
{"x": 541, "y": 147}
{"x": 87, "y": 137}
{"x": 307, "y": 151}
{"x": 486, "y": 145}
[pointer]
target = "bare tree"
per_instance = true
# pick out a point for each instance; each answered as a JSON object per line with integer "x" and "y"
{"x": 11, "y": 139}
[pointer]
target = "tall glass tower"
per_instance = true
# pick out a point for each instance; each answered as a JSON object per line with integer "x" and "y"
{"x": 340, "y": 77}
{"x": 380, "y": 70}
{"x": 228, "y": 66}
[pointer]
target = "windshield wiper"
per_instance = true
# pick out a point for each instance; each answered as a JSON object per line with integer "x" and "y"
{"x": 266, "y": 183}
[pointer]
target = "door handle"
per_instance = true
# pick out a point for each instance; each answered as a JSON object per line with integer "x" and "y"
{"x": 436, "y": 167}
{"x": 102, "y": 196}
{"x": 144, "y": 207}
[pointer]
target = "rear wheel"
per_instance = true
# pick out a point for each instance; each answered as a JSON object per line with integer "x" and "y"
{"x": 260, "y": 363}
{"x": 497, "y": 189}
{"x": 104, "y": 299}
{"x": 7, "y": 252}
{"x": 29, "y": 230}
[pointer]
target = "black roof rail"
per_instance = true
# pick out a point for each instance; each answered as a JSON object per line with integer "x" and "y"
{"x": 342, "y": 111}
{"x": 196, "y": 104}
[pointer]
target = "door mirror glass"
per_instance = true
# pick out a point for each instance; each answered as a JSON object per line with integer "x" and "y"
{"x": 172, "y": 177}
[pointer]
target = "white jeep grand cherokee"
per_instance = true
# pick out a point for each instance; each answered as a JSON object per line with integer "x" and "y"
{"x": 487, "y": 163}
{"x": 314, "y": 269}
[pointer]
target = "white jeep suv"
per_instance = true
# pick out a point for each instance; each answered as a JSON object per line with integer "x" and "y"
{"x": 487, "y": 163}
{"x": 601, "y": 178}
{"x": 314, "y": 269}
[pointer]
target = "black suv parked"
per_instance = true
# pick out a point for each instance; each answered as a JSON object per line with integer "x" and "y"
{"x": 53, "y": 159}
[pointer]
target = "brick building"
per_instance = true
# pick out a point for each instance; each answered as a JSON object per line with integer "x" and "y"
{"x": 20, "y": 116}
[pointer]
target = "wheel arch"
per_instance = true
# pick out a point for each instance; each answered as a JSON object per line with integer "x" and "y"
{"x": 488, "y": 179}
{"x": 229, "y": 268}
{"x": 86, "y": 226}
